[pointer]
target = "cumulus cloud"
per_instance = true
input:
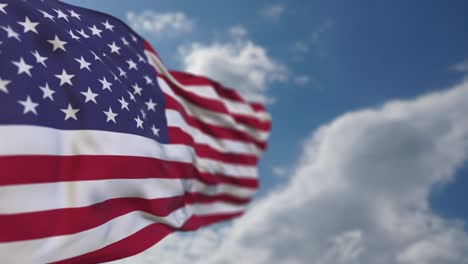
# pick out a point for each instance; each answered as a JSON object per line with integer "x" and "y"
{"x": 240, "y": 64}
{"x": 273, "y": 12}
{"x": 358, "y": 195}
{"x": 169, "y": 23}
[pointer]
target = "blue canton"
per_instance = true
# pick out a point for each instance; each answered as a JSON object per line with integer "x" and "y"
{"x": 70, "y": 68}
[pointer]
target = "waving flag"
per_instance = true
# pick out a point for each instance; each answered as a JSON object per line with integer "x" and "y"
{"x": 103, "y": 152}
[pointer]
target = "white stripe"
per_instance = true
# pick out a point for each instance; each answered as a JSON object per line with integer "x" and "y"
{"x": 35, "y": 140}
{"x": 211, "y": 117}
{"x": 214, "y": 166}
{"x": 60, "y": 195}
{"x": 67, "y": 246}
{"x": 175, "y": 119}
{"x": 245, "y": 109}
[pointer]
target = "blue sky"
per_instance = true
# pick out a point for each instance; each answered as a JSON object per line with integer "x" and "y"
{"x": 322, "y": 61}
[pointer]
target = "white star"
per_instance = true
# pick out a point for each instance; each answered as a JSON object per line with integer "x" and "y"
{"x": 123, "y": 103}
{"x": 131, "y": 96}
{"x": 124, "y": 41}
{"x": 95, "y": 31}
{"x": 122, "y": 72}
{"x": 47, "y": 15}
{"x": 96, "y": 57}
{"x": 136, "y": 89}
{"x": 140, "y": 58}
{"x": 139, "y": 122}
{"x": 110, "y": 116}
{"x": 82, "y": 33}
{"x": 108, "y": 26}
{"x": 65, "y": 77}
{"x": 3, "y": 85}
{"x": 134, "y": 38}
{"x": 148, "y": 80}
{"x": 70, "y": 112}
{"x": 114, "y": 48}
{"x": 11, "y": 33}
{"x": 115, "y": 77}
{"x": 47, "y": 92}
{"x": 155, "y": 131}
{"x": 90, "y": 96}
{"x": 60, "y": 14}
{"x": 83, "y": 63}
{"x": 39, "y": 58}
{"x": 72, "y": 35}
{"x": 29, "y": 25}
{"x": 23, "y": 67}
{"x": 105, "y": 84}
{"x": 151, "y": 105}
{"x": 29, "y": 106}
{"x": 57, "y": 43}
{"x": 132, "y": 65}
{"x": 2, "y": 7}
{"x": 75, "y": 15}
{"x": 143, "y": 114}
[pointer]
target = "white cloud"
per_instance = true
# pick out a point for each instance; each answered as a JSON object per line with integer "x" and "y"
{"x": 170, "y": 23}
{"x": 447, "y": 247}
{"x": 280, "y": 171}
{"x": 302, "y": 80}
{"x": 273, "y": 12}
{"x": 238, "y": 32}
{"x": 303, "y": 46}
{"x": 359, "y": 195}
{"x": 461, "y": 67}
{"x": 241, "y": 64}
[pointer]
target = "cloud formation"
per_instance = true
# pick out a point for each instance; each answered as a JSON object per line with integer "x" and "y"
{"x": 280, "y": 171}
{"x": 461, "y": 67}
{"x": 358, "y": 195}
{"x": 273, "y": 12}
{"x": 303, "y": 46}
{"x": 238, "y": 32}
{"x": 240, "y": 64}
{"x": 169, "y": 23}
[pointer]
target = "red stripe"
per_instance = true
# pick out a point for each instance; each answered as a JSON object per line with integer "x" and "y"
{"x": 83, "y": 168}
{"x": 227, "y": 93}
{"x": 258, "y": 107}
{"x": 196, "y": 222}
{"x": 143, "y": 239}
{"x": 178, "y": 136}
{"x": 68, "y": 221}
{"x": 217, "y": 106}
{"x": 192, "y": 79}
{"x": 212, "y": 130}
{"x": 129, "y": 246}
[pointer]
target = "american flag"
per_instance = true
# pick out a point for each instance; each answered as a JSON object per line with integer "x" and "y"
{"x": 104, "y": 152}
